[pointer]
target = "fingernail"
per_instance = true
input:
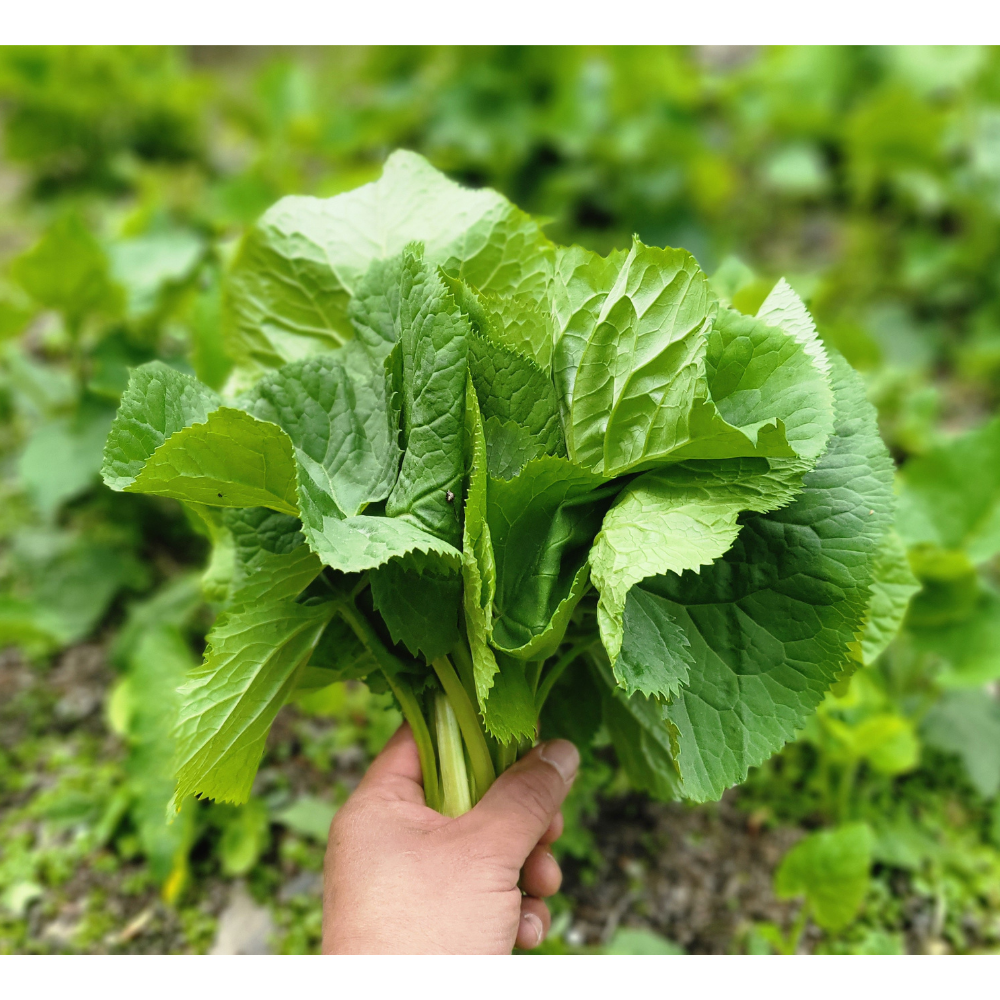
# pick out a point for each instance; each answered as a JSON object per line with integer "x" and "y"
{"x": 563, "y": 756}
{"x": 535, "y": 923}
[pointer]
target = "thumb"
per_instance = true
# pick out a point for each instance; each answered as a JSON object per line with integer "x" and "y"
{"x": 395, "y": 772}
{"x": 523, "y": 801}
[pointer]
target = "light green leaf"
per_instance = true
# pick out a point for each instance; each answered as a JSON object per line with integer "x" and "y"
{"x": 157, "y": 403}
{"x": 581, "y": 283}
{"x": 541, "y": 524}
{"x": 679, "y": 518}
{"x": 509, "y": 711}
{"x": 640, "y": 941}
{"x": 254, "y": 657}
{"x": 766, "y": 395}
{"x": 967, "y": 723}
{"x": 217, "y": 577}
{"x": 245, "y": 836}
{"x": 356, "y": 544}
{"x": 230, "y": 460}
{"x": 830, "y": 868}
{"x": 771, "y": 623}
{"x": 892, "y": 587}
{"x": 655, "y": 655}
{"x": 156, "y": 668}
{"x": 784, "y": 309}
{"x": 951, "y": 495}
{"x": 292, "y": 280}
{"x": 635, "y": 373}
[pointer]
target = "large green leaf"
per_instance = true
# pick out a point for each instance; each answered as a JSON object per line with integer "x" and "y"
{"x": 157, "y": 403}
{"x": 290, "y": 286}
{"x": 951, "y": 496}
{"x": 636, "y": 372}
{"x": 771, "y": 623}
{"x": 231, "y": 460}
{"x": 541, "y": 525}
{"x": 679, "y": 518}
{"x": 253, "y": 661}
{"x": 323, "y": 410}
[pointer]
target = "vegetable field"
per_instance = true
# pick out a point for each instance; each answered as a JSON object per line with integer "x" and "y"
{"x": 646, "y": 398}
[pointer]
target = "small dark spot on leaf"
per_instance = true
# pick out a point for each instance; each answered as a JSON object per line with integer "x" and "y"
{"x": 220, "y": 494}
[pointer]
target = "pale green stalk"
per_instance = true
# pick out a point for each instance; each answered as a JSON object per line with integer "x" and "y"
{"x": 456, "y": 798}
{"x": 479, "y": 752}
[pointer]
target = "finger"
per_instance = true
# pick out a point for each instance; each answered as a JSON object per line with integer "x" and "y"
{"x": 395, "y": 772}
{"x": 533, "y": 925}
{"x": 555, "y": 830}
{"x": 521, "y": 804}
{"x": 541, "y": 875}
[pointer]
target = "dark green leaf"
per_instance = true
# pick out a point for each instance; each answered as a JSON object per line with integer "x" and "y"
{"x": 419, "y": 604}
{"x": 770, "y": 624}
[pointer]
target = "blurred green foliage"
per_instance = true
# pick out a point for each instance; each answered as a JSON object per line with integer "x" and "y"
{"x": 868, "y": 176}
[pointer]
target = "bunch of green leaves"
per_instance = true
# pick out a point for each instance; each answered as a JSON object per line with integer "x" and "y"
{"x": 446, "y": 436}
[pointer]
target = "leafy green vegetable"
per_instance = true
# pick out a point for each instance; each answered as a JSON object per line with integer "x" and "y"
{"x": 445, "y": 434}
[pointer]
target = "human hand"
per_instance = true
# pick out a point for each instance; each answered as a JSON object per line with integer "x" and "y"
{"x": 400, "y": 878}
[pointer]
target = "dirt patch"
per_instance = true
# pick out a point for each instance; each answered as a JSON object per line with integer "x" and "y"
{"x": 696, "y": 875}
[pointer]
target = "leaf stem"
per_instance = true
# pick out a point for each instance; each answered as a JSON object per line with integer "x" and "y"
{"x": 391, "y": 666}
{"x": 557, "y": 668}
{"x": 455, "y": 795}
{"x": 532, "y": 672}
{"x": 463, "y": 664}
{"x": 468, "y": 720}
